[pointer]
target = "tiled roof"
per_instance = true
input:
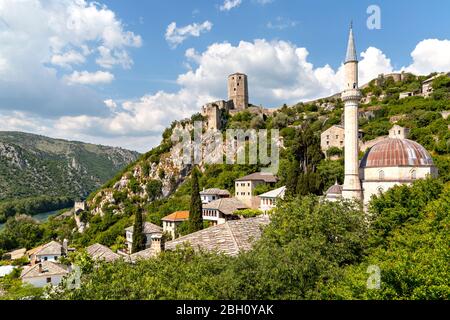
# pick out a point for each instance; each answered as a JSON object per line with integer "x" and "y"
{"x": 277, "y": 193}
{"x": 143, "y": 255}
{"x": 229, "y": 238}
{"x": 396, "y": 152}
{"x": 259, "y": 176}
{"x": 100, "y": 252}
{"x": 148, "y": 228}
{"x": 51, "y": 248}
{"x": 215, "y": 191}
{"x": 335, "y": 189}
{"x": 226, "y": 205}
{"x": 49, "y": 268}
{"x": 177, "y": 216}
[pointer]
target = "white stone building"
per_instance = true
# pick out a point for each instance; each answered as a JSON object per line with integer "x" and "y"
{"x": 152, "y": 233}
{"x": 51, "y": 251}
{"x": 222, "y": 210}
{"x": 208, "y": 195}
{"x": 269, "y": 199}
{"x": 44, "y": 273}
{"x": 392, "y": 161}
{"x": 172, "y": 221}
{"x": 245, "y": 186}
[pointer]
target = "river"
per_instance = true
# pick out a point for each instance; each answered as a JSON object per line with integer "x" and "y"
{"x": 41, "y": 217}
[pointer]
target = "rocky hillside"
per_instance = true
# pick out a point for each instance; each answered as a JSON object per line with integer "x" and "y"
{"x": 32, "y": 165}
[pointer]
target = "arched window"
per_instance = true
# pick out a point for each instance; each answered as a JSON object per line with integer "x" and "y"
{"x": 381, "y": 175}
{"x": 413, "y": 174}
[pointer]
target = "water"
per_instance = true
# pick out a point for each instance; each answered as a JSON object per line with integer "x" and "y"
{"x": 41, "y": 217}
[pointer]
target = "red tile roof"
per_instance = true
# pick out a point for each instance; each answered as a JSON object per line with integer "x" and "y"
{"x": 177, "y": 216}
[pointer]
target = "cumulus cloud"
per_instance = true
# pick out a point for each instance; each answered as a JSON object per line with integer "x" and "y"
{"x": 42, "y": 40}
{"x": 67, "y": 59}
{"x": 85, "y": 77}
{"x": 430, "y": 55}
{"x": 176, "y": 35}
{"x": 230, "y": 4}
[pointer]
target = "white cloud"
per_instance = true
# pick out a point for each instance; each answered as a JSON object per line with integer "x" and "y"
{"x": 176, "y": 35}
{"x": 430, "y": 55}
{"x": 67, "y": 59}
{"x": 111, "y": 104}
{"x": 230, "y": 4}
{"x": 86, "y": 78}
{"x": 42, "y": 40}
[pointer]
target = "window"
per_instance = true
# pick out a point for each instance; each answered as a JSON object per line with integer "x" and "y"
{"x": 45, "y": 258}
{"x": 398, "y": 131}
{"x": 328, "y": 143}
{"x": 328, "y": 136}
{"x": 56, "y": 258}
{"x": 337, "y": 136}
{"x": 49, "y": 280}
{"x": 381, "y": 175}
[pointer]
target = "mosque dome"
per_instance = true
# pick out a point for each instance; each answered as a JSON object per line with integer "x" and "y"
{"x": 394, "y": 152}
{"x": 334, "y": 191}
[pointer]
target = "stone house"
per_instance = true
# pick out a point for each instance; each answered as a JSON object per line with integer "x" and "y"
{"x": 334, "y": 136}
{"x": 99, "y": 252}
{"x": 172, "y": 221}
{"x": 269, "y": 199}
{"x": 208, "y": 195}
{"x": 221, "y": 210}
{"x": 245, "y": 187}
{"x": 44, "y": 273}
{"x": 51, "y": 251}
{"x": 152, "y": 233}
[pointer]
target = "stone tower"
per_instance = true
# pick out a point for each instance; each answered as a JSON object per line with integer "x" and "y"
{"x": 351, "y": 97}
{"x": 238, "y": 90}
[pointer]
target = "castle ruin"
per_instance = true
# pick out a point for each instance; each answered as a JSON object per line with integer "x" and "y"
{"x": 237, "y": 101}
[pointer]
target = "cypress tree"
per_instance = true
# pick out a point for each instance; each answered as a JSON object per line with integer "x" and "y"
{"x": 139, "y": 239}
{"x": 195, "y": 210}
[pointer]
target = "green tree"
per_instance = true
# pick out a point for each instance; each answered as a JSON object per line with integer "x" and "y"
{"x": 195, "y": 209}
{"x": 154, "y": 189}
{"x": 304, "y": 178}
{"x": 139, "y": 239}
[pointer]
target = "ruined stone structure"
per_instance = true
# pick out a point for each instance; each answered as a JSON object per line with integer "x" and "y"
{"x": 238, "y": 90}
{"x": 215, "y": 112}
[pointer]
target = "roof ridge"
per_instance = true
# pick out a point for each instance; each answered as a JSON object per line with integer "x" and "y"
{"x": 232, "y": 235}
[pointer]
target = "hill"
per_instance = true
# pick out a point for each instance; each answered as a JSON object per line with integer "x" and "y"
{"x": 33, "y": 165}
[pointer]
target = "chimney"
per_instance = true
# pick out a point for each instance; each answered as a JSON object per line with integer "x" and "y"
{"x": 40, "y": 267}
{"x": 157, "y": 243}
{"x": 65, "y": 247}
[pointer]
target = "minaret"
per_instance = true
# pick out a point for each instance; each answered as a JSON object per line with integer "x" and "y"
{"x": 351, "y": 97}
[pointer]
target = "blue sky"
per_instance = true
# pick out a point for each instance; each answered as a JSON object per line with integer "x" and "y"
{"x": 320, "y": 26}
{"x": 112, "y": 73}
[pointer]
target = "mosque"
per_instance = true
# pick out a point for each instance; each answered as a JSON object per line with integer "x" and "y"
{"x": 392, "y": 161}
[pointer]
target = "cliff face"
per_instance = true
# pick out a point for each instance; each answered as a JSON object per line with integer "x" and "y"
{"x": 32, "y": 165}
